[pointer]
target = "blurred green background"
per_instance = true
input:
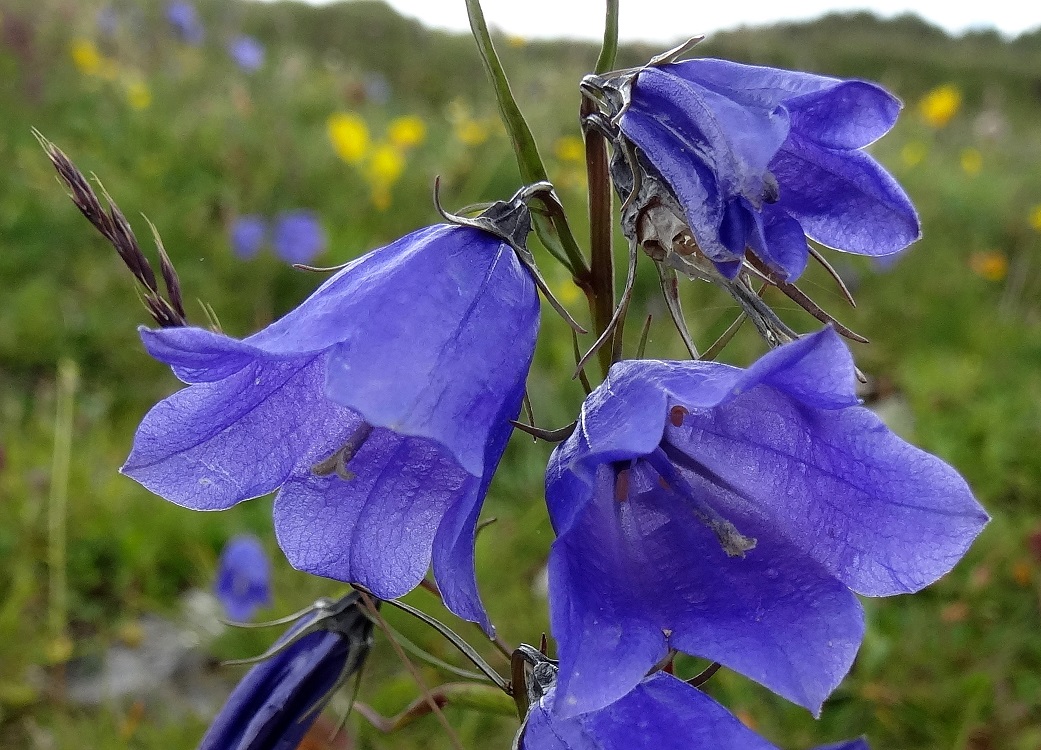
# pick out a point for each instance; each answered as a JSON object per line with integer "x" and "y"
{"x": 352, "y": 114}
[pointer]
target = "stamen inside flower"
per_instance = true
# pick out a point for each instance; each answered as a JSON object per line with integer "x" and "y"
{"x": 771, "y": 189}
{"x": 338, "y": 461}
{"x": 734, "y": 543}
{"x": 621, "y": 485}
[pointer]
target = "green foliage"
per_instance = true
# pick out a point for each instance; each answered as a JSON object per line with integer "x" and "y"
{"x": 955, "y": 325}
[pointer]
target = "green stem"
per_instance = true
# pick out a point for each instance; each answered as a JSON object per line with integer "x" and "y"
{"x": 553, "y": 230}
{"x": 605, "y": 62}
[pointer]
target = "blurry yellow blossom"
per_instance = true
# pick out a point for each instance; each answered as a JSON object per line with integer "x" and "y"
{"x": 386, "y": 165}
{"x": 138, "y": 95}
{"x": 349, "y": 135}
{"x": 516, "y": 41}
{"x": 940, "y": 105}
{"x": 567, "y": 292}
{"x": 971, "y": 161}
{"x": 992, "y": 265}
{"x": 86, "y": 56}
{"x": 570, "y": 148}
{"x": 471, "y": 132}
{"x": 1035, "y": 217}
{"x": 406, "y": 132}
{"x": 913, "y": 153}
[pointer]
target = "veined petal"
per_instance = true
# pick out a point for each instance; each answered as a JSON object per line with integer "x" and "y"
{"x": 844, "y": 199}
{"x": 881, "y": 515}
{"x": 850, "y": 115}
{"x": 377, "y": 528}
{"x": 439, "y": 360}
{"x": 215, "y": 444}
{"x": 636, "y": 576}
{"x": 753, "y": 85}
{"x": 660, "y": 713}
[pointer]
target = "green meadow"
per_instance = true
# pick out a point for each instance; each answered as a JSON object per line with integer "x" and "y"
{"x": 353, "y": 113}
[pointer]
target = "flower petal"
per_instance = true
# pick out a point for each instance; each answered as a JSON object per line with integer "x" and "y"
{"x": 661, "y": 713}
{"x": 632, "y": 578}
{"x": 851, "y": 114}
{"x": 214, "y": 444}
{"x": 881, "y": 515}
{"x": 844, "y": 199}
{"x": 440, "y": 360}
{"x": 376, "y": 529}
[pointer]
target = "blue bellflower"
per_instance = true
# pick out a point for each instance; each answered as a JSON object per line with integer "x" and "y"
{"x": 281, "y": 697}
{"x": 379, "y": 408}
{"x": 248, "y": 234}
{"x": 731, "y": 514}
{"x": 184, "y": 19}
{"x": 760, "y": 158}
{"x": 243, "y": 582}
{"x": 298, "y": 236}
{"x": 661, "y": 712}
{"x": 247, "y": 53}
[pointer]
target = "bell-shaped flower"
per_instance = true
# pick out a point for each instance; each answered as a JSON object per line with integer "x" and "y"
{"x": 247, "y": 53}
{"x": 184, "y": 19}
{"x": 379, "y": 408}
{"x": 660, "y": 713}
{"x": 247, "y": 235}
{"x": 731, "y": 514}
{"x": 760, "y": 158}
{"x": 243, "y": 582}
{"x": 281, "y": 697}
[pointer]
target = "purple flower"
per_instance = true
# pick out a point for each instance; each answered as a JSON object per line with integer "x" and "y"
{"x": 243, "y": 578}
{"x": 380, "y": 406}
{"x": 761, "y": 158}
{"x": 247, "y": 53}
{"x": 857, "y": 744}
{"x": 660, "y": 713}
{"x": 281, "y": 697}
{"x": 298, "y": 236}
{"x": 247, "y": 235}
{"x": 185, "y": 21}
{"x": 732, "y": 514}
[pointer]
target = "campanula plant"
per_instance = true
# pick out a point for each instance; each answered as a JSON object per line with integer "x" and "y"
{"x": 379, "y": 408}
{"x": 731, "y": 514}
{"x": 761, "y": 158}
{"x": 734, "y": 514}
{"x": 279, "y": 699}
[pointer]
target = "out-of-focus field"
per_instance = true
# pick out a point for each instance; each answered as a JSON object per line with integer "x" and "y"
{"x": 181, "y": 134}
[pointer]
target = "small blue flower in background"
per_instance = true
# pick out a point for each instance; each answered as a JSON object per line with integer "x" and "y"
{"x": 379, "y": 408}
{"x": 281, "y": 697}
{"x": 243, "y": 582}
{"x": 247, "y": 53}
{"x": 732, "y": 514}
{"x": 298, "y": 236}
{"x": 184, "y": 19}
{"x": 248, "y": 234}
{"x": 761, "y": 158}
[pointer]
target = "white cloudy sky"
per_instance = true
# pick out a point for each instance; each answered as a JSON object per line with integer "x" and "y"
{"x": 665, "y": 20}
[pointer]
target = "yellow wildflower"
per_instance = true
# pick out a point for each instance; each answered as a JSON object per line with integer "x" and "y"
{"x": 516, "y": 41}
{"x": 913, "y": 153}
{"x": 86, "y": 57}
{"x": 940, "y": 105}
{"x": 407, "y": 132}
{"x": 971, "y": 161}
{"x": 386, "y": 165}
{"x": 349, "y": 135}
{"x": 992, "y": 266}
{"x": 1035, "y": 217}
{"x": 471, "y": 132}
{"x": 570, "y": 148}
{"x": 138, "y": 95}
{"x": 381, "y": 197}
